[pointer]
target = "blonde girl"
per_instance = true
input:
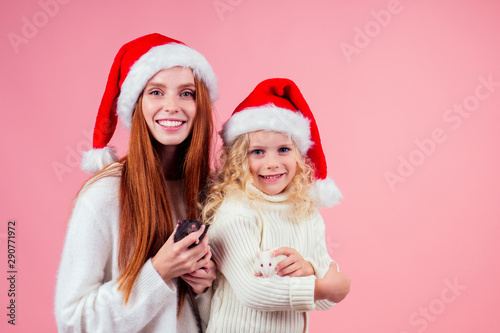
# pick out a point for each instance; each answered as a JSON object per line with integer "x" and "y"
{"x": 273, "y": 176}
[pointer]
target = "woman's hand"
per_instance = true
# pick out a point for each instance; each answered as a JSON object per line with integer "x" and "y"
{"x": 202, "y": 278}
{"x": 294, "y": 264}
{"x": 334, "y": 286}
{"x": 175, "y": 259}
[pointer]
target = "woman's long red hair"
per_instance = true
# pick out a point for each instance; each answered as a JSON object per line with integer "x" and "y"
{"x": 146, "y": 219}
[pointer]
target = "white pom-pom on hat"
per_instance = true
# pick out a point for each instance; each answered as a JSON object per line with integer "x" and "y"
{"x": 324, "y": 193}
{"x": 95, "y": 160}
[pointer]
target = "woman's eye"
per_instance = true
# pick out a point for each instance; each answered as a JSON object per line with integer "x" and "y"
{"x": 188, "y": 94}
{"x": 155, "y": 93}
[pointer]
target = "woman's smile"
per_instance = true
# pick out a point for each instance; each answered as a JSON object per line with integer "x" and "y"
{"x": 169, "y": 105}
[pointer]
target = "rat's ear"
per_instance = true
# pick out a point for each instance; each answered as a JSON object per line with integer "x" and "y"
{"x": 258, "y": 254}
{"x": 179, "y": 221}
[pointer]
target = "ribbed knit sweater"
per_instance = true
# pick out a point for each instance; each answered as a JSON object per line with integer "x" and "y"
{"x": 245, "y": 303}
{"x": 87, "y": 299}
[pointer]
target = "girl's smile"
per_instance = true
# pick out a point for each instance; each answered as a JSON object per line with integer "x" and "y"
{"x": 272, "y": 161}
{"x": 272, "y": 178}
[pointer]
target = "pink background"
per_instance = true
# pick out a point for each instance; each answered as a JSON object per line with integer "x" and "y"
{"x": 419, "y": 227}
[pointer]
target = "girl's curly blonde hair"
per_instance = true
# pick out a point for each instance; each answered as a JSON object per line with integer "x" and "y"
{"x": 234, "y": 175}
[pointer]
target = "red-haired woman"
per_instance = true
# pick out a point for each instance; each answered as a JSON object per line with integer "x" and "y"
{"x": 120, "y": 267}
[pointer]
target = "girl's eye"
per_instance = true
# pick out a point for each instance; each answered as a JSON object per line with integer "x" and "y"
{"x": 284, "y": 150}
{"x": 257, "y": 152}
{"x": 155, "y": 93}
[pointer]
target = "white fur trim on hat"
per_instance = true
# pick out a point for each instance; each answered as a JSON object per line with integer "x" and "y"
{"x": 158, "y": 58}
{"x": 269, "y": 118}
{"x": 95, "y": 160}
{"x": 324, "y": 193}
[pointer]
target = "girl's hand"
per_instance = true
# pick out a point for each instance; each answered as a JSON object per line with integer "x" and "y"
{"x": 175, "y": 259}
{"x": 334, "y": 286}
{"x": 202, "y": 278}
{"x": 294, "y": 264}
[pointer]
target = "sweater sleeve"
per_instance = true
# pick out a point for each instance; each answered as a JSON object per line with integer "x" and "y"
{"x": 87, "y": 299}
{"x": 234, "y": 243}
{"x": 321, "y": 259}
{"x": 203, "y": 301}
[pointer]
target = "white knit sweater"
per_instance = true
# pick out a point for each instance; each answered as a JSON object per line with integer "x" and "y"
{"x": 87, "y": 299}
{"x": 245, "y": 303}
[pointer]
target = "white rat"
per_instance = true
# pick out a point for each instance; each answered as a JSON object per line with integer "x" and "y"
{"x": 265, "y": 264}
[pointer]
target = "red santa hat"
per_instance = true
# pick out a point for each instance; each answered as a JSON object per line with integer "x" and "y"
{"x": 277, "y": 105}
{"x": 136, "y": 63}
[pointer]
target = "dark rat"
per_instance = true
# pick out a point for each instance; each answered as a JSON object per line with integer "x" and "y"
{"x": 184, "y": 228}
